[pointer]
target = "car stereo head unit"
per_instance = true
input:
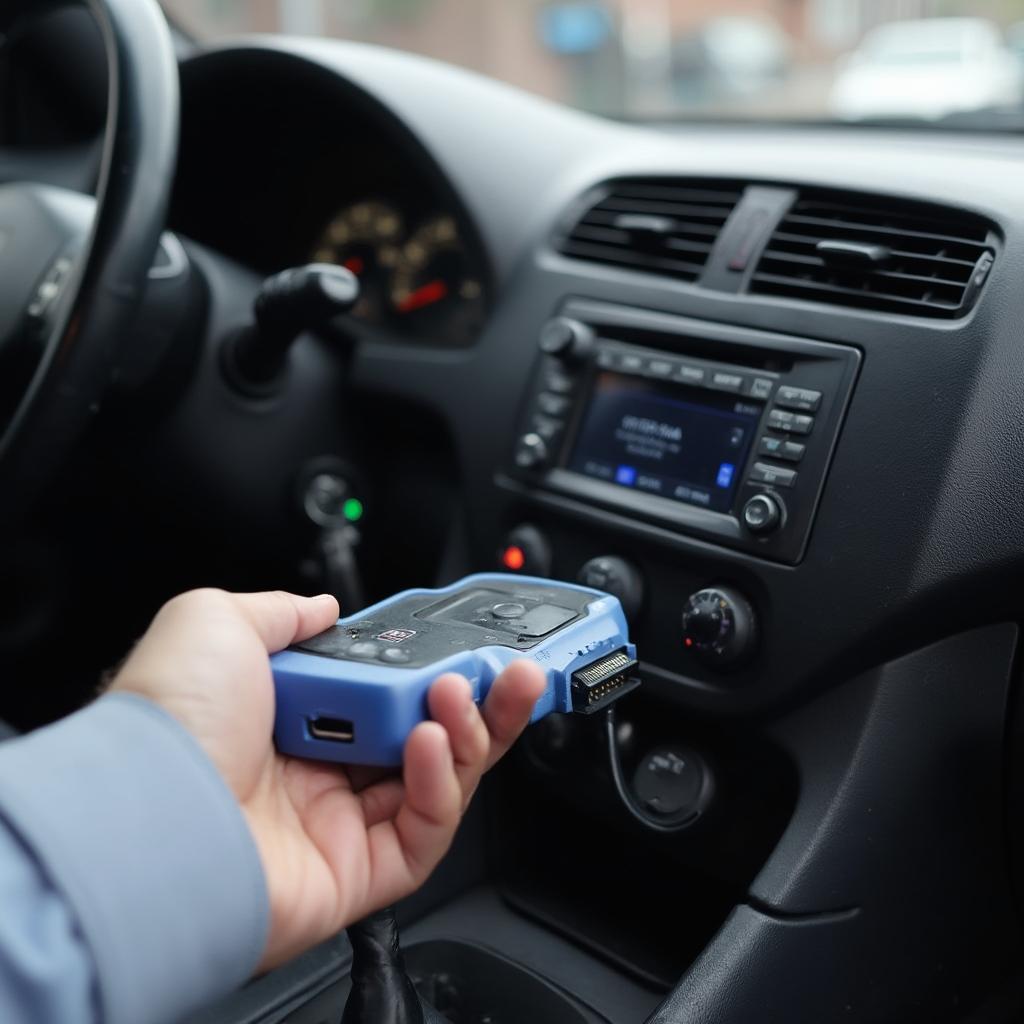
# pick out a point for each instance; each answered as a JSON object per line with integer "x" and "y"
{"x": 719, "y": 432}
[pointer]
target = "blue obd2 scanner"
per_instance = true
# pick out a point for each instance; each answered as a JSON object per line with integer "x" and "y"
{"x": 354, "y": 692}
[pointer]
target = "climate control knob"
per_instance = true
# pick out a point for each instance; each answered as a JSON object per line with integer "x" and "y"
{"x": 719, "y": 626}
{"x": 762, "y": 514}
{"x": 618, "y": 577}
{"x": 531, "y": 451}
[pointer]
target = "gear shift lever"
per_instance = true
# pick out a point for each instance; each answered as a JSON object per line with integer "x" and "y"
{"x": 293, "y": 301}
{"x": 382, "y": 992}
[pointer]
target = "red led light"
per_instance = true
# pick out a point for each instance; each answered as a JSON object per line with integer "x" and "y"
{"x": 355, "y": 264}
{"x": 688, "y": 641}
{"x": 513, "y": 557}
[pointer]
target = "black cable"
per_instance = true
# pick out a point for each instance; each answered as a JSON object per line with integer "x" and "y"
{"x": 659, "y": 823}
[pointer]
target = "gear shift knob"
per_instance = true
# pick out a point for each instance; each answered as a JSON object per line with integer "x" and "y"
{"x": 293, "y": 301}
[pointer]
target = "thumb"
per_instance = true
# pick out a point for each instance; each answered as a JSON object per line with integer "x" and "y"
{"x": 281, "y": 618}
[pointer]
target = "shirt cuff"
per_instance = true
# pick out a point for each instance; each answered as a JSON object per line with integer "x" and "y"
{"x": 135, "y": 827}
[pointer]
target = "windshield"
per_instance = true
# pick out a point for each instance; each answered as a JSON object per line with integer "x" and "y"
{"x": 850, "y": 60}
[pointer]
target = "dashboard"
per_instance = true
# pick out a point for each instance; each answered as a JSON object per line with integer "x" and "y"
{"x": 763, "y": 382}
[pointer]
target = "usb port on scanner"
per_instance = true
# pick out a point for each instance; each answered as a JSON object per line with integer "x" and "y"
{"x": 334, "y": 730}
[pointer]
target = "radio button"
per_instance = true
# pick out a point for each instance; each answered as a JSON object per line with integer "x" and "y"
{"x": 558, "y": 383}
{"x": 726, "y": 381}
{"x": 762, "y": 514}
{"x": 798, "y": 398}
{"x": 659, "y": 368}
{"x": 761, "y": 387}
{"x": 631, "y": 363}
{"x": 552, "y": 405}
{"x": 606, "y": 360}
{"x": 691, "y": 374}
{"x": 531, "y": 451}
{"x": 777, "y": 448}
{"x": 777, "y": 476}
{"x": 546, "y": 427}
{"x": 789, "y": 422}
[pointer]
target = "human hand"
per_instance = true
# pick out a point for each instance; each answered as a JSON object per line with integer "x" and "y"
{"x": 336, "y": 843}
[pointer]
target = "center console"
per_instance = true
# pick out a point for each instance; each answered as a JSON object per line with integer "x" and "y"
{"x": 718, "y": 432}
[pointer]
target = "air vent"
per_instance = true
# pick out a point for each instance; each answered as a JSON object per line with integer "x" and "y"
{"x": 850, "y": 250}
{"x": 659, "y": 226}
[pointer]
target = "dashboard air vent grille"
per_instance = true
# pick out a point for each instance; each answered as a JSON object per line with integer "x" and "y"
{"x": 877, "y": 254}
{"x": 660, "y": 226}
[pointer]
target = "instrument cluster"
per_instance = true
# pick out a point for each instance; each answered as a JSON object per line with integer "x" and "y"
{"x": 416, "y": 272}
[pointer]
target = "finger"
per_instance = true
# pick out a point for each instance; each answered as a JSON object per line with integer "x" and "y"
{"x": 381, "y": 801}
{"x": 408, "y": 850}
{"x": 451, "y": 704}
{"x": 281, "y": 618}
{"x": 510, "y": 703}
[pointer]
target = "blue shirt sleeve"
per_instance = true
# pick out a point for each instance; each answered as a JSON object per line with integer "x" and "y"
{"x": 131, "y": 887}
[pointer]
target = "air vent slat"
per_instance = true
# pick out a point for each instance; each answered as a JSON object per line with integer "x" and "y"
{"x": 729, "y": 197}
{"x": 608, "y": 254}
{"x": 801, "y": 244}
{"x": 603, "y": 218}
{"x": 816, "y": 263}
{"x": 927, "y": 261}
{"x": 665, "y": 227}
{"x": 870, "y": 300}
{"x": 682, "y": 211}
{"x": 826, "y": 228}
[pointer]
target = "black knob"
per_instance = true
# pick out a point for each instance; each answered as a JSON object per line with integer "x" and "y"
{"x": 531, "y": 451}
{"x": 762, "y": 514}
{"x": 719, "y": 626}
{"x": 293, "y": 301}
{"x": 617, "y": 577}
{"x": 566, "y": 339}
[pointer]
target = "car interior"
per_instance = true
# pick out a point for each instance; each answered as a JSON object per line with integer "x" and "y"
{"x": 761, "y": 379}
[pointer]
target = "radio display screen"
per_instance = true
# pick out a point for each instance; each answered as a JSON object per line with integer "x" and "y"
{"x": 686, "y": 444}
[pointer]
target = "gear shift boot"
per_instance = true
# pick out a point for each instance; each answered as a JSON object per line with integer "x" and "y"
{"x": 382, "y": 992}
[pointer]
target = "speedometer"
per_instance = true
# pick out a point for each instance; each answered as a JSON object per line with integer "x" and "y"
{"x": 365, "y": 238}
{"x": 434, "y": 288}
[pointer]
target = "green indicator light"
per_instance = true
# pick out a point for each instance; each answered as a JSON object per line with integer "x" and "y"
{"x": 352, "y": 510}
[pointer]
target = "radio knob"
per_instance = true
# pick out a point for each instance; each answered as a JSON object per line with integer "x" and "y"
{"x": 531, "y": 451}
{"x": 762, "y": 514}
{"x": 566, "y": 339}
{"x": 719, "y": 626}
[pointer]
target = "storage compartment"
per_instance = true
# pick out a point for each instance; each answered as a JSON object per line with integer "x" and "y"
{"x": 468, "y": 984}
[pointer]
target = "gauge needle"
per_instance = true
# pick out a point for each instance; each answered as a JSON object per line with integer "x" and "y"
{"x": 425, "y": 295}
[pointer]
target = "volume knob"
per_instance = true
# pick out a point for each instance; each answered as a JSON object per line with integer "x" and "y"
{"x": 762, "y": 514}
{"x": 566, "y": 339}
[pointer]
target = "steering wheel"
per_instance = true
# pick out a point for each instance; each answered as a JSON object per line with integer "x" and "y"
{"x": 72, "y": 272}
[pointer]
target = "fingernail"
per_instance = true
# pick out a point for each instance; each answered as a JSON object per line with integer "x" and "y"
{"x": 323, "y": 597}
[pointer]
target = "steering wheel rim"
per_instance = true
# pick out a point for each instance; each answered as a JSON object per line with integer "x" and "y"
{"x": 91, "y": 319}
